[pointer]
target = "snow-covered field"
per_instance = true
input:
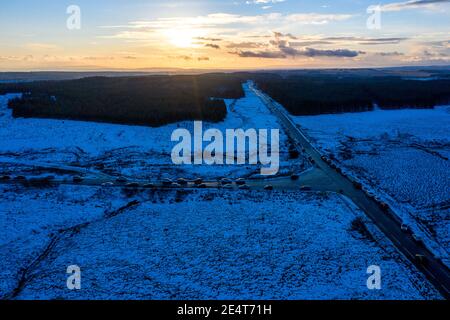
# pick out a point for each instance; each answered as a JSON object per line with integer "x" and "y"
{"x": 193, "y": 245}
{"x": 403, "y": 154}
{"x": 178, "y": 244}
{"x": 138, "y": 152}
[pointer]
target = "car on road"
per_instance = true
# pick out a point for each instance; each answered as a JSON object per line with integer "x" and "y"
{"x": 225, "y": 181}
{"x": 228, "y": 186}
{"x": 240, "y": 181}
{"x": 420, "y": 258}
{"x": 244, "y": 187}
{"x": 268, "y": 187}
{"x": 77, "y": 179}
{"x": 167, "y": 182}
{"x": 5, "y": 178}
{"x": 405, "y": 228}
{"x": 20, "y": 178}
{"x": 133, "y": 185}
{"x": 357, "y": 185}
{"x": 417, "y": 239}
{"x": 384, "y": 206}
{"x": 202, "y": 185}
{"x": 295, "y": 177}
{"x": 182, "y": 181}
{"x": 121, "y": 179}
{"x": 176, "y": 185}
{"x": 107, "y": 184}
{"x": 148, "y": 186}
{"x": 198, "y": 181}
{"x": 305, "y": 188}
{"x": 371, "y": 195}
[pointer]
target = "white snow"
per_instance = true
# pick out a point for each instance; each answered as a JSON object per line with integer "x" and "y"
{"x": 403, "y": 155}
{"x": 128, "y": 150}
{"x": 200, "y": 245}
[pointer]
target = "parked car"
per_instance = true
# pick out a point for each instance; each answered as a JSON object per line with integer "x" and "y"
{"x": 20, "y": 178}
{"x": 305, "y": 188}
{"x": 182, "y": 181}
{"x": 228, "y": 186}
{"x": 176, "y": 185}
{"x": 405, "y": 228}
{"x": 420, "y": 258}
{"x": 295, "y": 177}
{"x": 225, "y": 181}
{"x": 244, "y": 187}
{"x": 240, "y": 181}
{"x": 417, "y": 239}
{"x": 5, "y": 178}
{"x": 132, "y": 185}
{"x": 121, "y": 179}
{"x": 77, "y": 179}
{"x": 268, "y": 187}
{"x": 149, "y": 186}
{"x": 357, "y": 185}
{"x": 198, "y": 181}
{"x": 384, "y": 206}
{"x": 107, "y": 184}
{"x": 167, "y": 182}
{"x": 202, "y": 185}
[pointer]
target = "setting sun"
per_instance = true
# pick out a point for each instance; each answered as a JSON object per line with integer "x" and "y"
{"x": 182, "y": 38}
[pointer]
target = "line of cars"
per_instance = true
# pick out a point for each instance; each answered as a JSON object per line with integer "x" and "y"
{"x": 420, "y": 258}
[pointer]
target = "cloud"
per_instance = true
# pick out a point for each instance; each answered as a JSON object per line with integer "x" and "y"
{"x": 289, "y": 52}
{"x": 283, "y": 47}
{"x": 208, "y": 39}
{"x": 183, "y": 57}
{"x": 212, "y": 45}
{"x": 262, "y": 2}
{"x": 389, "y": 54}
{"x": 245, "y": 45}
{"x": 260, "y": 54}
{"x": 223, "y": 22}
{"x": 412, "y": 4}
{"x": 288, "y": 35}
{"x": 367, "y": 41}
{"x": 316, "y": 19}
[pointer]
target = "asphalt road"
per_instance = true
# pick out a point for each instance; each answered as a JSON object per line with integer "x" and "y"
{"x": 435, "y": 271}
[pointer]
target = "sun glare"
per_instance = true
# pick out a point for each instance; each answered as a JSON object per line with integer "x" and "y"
{"x": 182, "y": 38}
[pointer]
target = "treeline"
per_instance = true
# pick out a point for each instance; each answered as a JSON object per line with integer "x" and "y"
{"x": 149, "y": 100}
{"x": 312, "y": 95}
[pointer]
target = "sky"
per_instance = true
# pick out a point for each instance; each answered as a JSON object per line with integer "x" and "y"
{"x": 230, "y": 35}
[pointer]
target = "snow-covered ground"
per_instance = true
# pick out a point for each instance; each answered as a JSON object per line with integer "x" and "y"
{"x": 178, "y": 244}
{"x": 194, "y": 245}
{"x": 135, "y": 151}
{"x": 403, "y": 155}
